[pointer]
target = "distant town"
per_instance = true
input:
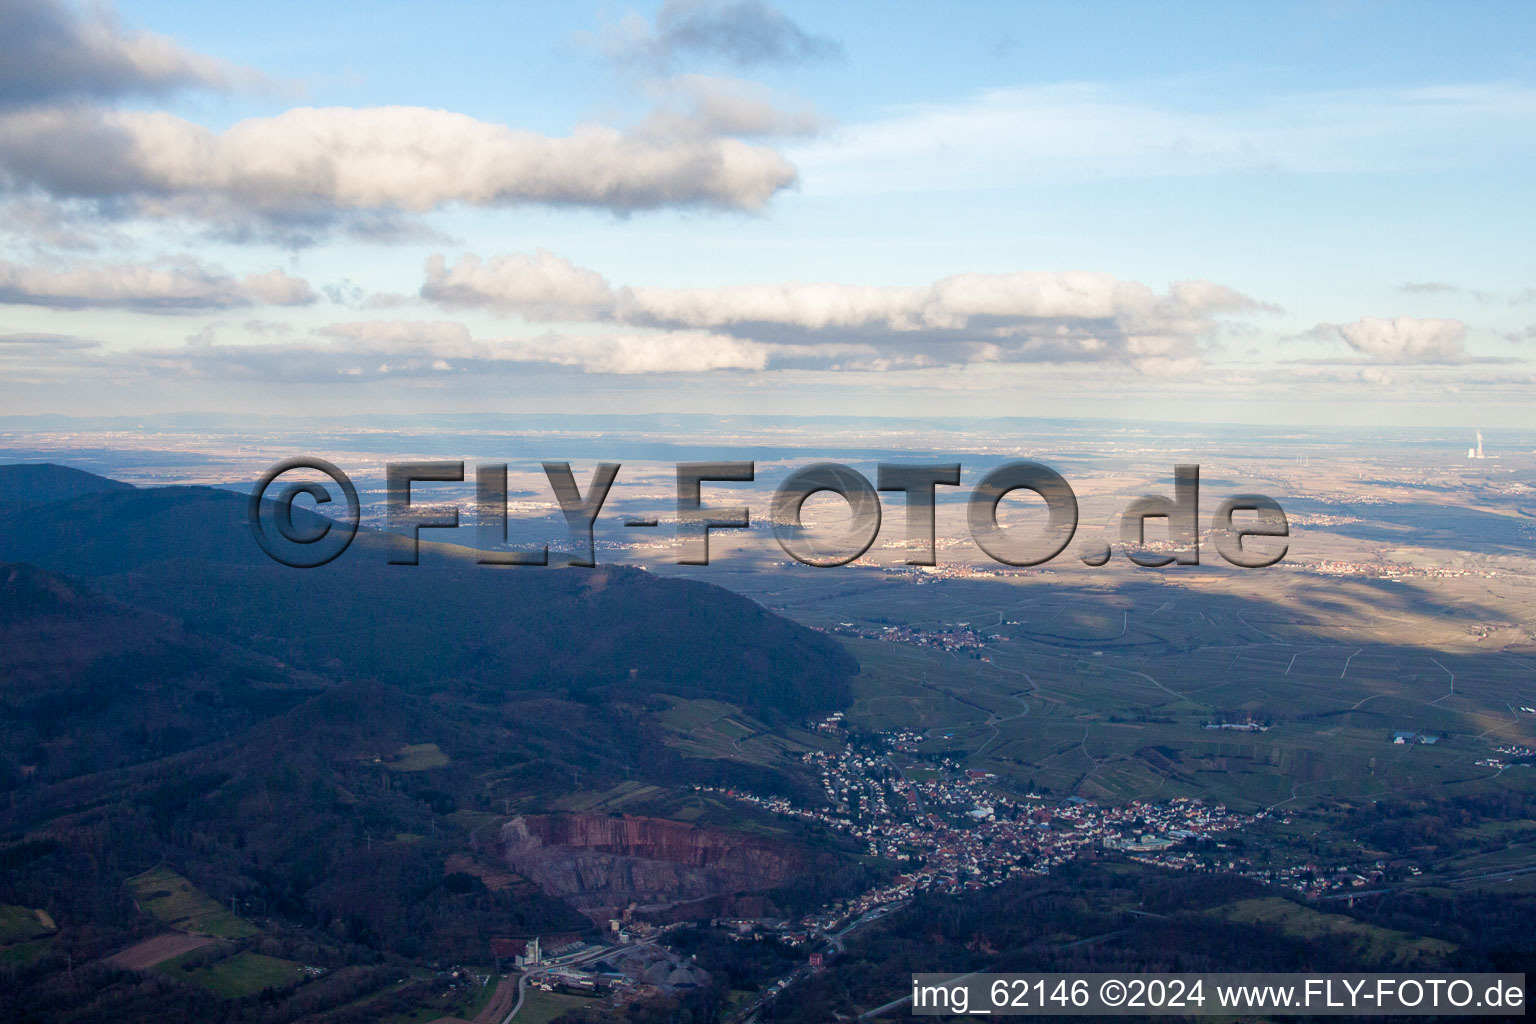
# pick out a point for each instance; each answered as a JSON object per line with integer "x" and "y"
{"x": 954, "y": 832}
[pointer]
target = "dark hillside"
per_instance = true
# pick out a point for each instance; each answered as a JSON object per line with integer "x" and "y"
{"x": 88, "y": 683}
{"x": 43, "y": 483}
{"x": 596, "y": 634}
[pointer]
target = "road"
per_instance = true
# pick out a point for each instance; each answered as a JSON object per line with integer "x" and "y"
{"x": 903, "y": 777}
{"x": 1425, "y": 880}
{"x": 493, "y": 1010}
{"x": 575, "y": 961}
{"x": 522, "y": 990}
{"x": 834, "y": 942}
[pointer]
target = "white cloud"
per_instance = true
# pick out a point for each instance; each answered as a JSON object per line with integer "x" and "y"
{"x": 44, "y": 225}
{"x": 445, "y": 338}
{"x": 66, "y": 147}
{"x": 10, "y": 343}
{"x": 545, "y": 286}
{"x": 276, "y": 288}
{"x": 1019, "y": 317}
{"x": 694, "y": 105}
{"x": 173, "y": 288}
{"x": 670, "y": 352}
{"x": 316, "y": 163}
{"x": 423, "y": 342}
{"x": 740, "y": 33}
{"x": 1406, "y": 339}
{"x": 47, "y": 52}
{"x": 397, "y": 348}
{"x": 530, "y": 285}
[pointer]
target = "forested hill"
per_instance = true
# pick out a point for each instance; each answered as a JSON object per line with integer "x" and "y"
{"x": 320, "y": 749}
{"x": 589, "y": 634}
{"x": 43, "y": 483}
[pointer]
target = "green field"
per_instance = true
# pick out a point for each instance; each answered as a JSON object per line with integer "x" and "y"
{"x": 1382, "y": 945}
{"x": 24, "y": 953}
{"x": 21, "y": 924}
{"x": 624, "y": 795}
{"x": 704, "y": 809}
{"x": 714, "y": 729}
{"x": 244, "y": 974}
{"x": 542, "y": 1007}
{"x": 418, "y": 757}
{"x": 1105, "y": 688}
{"x": 171, "y": 899}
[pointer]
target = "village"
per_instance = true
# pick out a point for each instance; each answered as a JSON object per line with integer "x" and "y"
{"x": 951, "y": 830}
{"x": 957, "y": 637}
{"x": 954, "y": 832}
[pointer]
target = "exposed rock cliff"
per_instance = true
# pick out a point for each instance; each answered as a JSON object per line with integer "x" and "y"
{"x": 601, "y": 864}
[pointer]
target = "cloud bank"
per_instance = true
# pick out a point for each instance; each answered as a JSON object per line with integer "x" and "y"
{"x": 965, "y": 318}
{"x": 176, "y": 288}
{"x": 315, "y": 163}
{"x": 1405, "y": 339}
{"x": 47, "y": 52}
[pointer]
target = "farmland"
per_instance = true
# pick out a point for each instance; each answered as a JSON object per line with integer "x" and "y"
{"x": 21, "y": 924}
{"x": 1121, "y": 690}
{"x": 25, "y": 935}
{"x": 1372, "y": 942}
{"x": 418, "y": 757}
{"x": 543, "y": 1007}
{"x": 176, "y": 902}
{"x": 244, "y": 974}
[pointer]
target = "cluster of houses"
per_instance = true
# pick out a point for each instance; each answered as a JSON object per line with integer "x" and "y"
{"x": 958, "y": 636}
{"x": 1391, "y": 571}
{"x": 954, "y": 831}
{"x": 1317, "y": 879}
{"x": 956, "y": 834}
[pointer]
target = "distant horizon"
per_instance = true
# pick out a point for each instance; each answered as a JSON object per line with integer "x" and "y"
{"x": 586, "y": 423}
{"x": 1309, "y": 214}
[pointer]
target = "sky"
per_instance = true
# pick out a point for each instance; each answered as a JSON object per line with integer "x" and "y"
{"x": 1307, "y": 214}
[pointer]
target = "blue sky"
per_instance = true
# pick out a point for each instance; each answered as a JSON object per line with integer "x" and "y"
{"x": 1310, "y": 213}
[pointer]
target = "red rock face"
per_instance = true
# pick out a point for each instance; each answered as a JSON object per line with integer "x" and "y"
{"x": 603, "y": 864}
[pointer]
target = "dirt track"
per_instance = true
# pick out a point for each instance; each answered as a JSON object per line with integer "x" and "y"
{"x": 501, "y": 1001}
{"x": 146, "y": 954}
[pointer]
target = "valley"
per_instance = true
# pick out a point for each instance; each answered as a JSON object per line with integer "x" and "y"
{"x": 383, "y": 776}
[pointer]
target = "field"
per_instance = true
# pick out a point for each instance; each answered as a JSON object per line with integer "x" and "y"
{"x": 418, "y": 757}
{"x": 704, "y": 809}
{"x": 25, "y": 935}
{"x": 1373, "y": 943}
{"x": 1118, "y": 689}
{"x": 157, "y": 950}
{"x": 244, "y": 974}
{"x": 711, "y": 728}
{"x": 176, "y": 902}
{"x": 22, "y": 924}
{"x": 542, "y": 1007}
{"x": 24, "y": 953}
{"x": 625, "y": 795}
